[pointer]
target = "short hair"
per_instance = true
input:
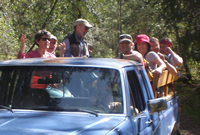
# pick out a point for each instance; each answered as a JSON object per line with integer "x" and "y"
{"x": 40, "y": 33}
{"x": 153, "y": 39}
{"x": 167, "y": 39}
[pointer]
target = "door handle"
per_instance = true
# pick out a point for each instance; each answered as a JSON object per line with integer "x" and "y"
{"x": 149, "y": 121}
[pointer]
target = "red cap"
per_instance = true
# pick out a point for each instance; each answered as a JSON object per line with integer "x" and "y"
{"x": 142, "y": 38}
{"x": 163, "y": 41}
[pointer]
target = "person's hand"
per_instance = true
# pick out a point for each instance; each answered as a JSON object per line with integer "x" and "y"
{"x": 62, "y": 48}
{"x": 84, "y": 56}
{"x": 115, "y": 107}
{"x": 23, "y": 40}
{"x": 23, "y": 44}
{"x": 157, "y": 71}
{"x": 168, "y": 50}
{"x": 162, "y": 56}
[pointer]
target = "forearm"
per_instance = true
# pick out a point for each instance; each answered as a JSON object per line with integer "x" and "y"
{"x": 137, "y": 57}
{"x": 176, "y": 58}
{"x": 171, "y": 68}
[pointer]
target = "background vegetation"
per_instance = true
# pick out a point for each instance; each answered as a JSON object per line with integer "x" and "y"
{"x": 177, "y": 19}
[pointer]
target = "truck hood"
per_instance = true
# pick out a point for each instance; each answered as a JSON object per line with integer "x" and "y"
{"x": 42, "y": 122}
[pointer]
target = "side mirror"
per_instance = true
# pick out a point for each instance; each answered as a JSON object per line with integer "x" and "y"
{"x": 156, "y": 105}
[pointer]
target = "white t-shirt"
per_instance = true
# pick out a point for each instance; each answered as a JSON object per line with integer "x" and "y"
{"x": 150, "y": 57}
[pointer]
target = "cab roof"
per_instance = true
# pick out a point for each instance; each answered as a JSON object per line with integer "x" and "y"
{"x": 68, "y": 61}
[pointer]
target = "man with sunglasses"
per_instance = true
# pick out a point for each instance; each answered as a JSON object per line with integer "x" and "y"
{"x": 126, "y": 46}
{"x": 76, "y": 45}
{"x": 42, "y": 40}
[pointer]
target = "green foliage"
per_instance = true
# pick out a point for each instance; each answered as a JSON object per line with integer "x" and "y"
{"x": 178, "y": 20}
{"x": 195, "y": 69}
{"x": 8, "y": 44}
{"x": 189, "y": 99}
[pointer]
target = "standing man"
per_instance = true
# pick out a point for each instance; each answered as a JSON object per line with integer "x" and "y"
{"x": 76, "y": 45}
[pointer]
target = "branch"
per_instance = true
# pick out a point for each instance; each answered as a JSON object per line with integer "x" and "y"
{"x": 44, "y": 25}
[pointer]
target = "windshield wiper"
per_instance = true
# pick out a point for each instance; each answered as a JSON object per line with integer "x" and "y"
{"x": 63, "y": 109}
{"x": 7, "y": 108}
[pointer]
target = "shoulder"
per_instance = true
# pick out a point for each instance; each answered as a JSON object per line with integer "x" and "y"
{"x": 152, "y": 54}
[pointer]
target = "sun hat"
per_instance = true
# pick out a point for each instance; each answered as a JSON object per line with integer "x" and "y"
{"x": 84, "y": 22}
{"x": 53, "y": 37}
{"x": 142, "y": 38}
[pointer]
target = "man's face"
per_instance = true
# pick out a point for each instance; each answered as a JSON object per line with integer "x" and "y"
{"x": 82, "y": 30}
{"x": 53, "y": 45}
{"x": 155, "y": 47}
{"x": 125, "y": 47}
{"x": 44, "y": 42}
{"x": 163, "y": 49}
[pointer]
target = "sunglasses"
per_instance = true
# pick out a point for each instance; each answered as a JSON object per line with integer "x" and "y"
{"x": 44, "y": 39}
{"x": 125, "y": 36}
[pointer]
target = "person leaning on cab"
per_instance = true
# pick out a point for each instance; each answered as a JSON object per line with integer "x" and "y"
{"x": 126, "y": 46}
{"x": 166, "y": 48}
{"x": 155, "y": 46}
{"x": 42, "y": 40}
{"x": 142, "y": 45}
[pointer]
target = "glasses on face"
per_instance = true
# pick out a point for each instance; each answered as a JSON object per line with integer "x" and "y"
{"x": 125, "y": 36}
{"x": 44, "y": 39}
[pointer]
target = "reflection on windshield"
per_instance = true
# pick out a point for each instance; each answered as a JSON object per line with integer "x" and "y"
{"x": 93, "y": 89}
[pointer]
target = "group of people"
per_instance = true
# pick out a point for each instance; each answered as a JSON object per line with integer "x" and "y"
{"x": 158, "y": 54}
{"x": 73, "y": 45}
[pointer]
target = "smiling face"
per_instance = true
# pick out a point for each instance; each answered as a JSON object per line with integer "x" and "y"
{"x": 44, "y": 42}
{"x": 52, "y": 46}
{"x": 125, "y": 47}
{"x": 142, "y": 48}
{"x": 155, "y": 46}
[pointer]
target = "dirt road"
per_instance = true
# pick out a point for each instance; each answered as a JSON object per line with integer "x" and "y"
{"x": 189, "y": 126}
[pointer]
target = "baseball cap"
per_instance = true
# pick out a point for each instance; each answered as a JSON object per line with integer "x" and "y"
{"x": 125, "y": 37}
{"x": 82, "y": 21}
{"x": 53, "y": 37}
{"x": 142, "y": 38}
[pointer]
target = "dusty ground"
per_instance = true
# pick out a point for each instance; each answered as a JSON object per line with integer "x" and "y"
{"x": 189, "y": 126}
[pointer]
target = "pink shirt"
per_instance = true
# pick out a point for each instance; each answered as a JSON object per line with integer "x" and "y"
{"x": 34, "y": 54}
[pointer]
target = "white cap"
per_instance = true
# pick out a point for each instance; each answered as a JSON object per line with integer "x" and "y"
{"x": 84, "y": 22}
{"x": 53, "y": 37}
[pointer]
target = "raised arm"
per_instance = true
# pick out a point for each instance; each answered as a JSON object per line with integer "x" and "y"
{"x": 176, "y": 58}
{"x": 21, "y": 53}
{"x": 170, "y": 67}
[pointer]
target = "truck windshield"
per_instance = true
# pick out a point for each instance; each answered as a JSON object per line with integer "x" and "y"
{"x": 87, "y": 88}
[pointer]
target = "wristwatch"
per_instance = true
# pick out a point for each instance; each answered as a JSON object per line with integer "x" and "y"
{"x": 121, "y": 56}
{"x": 165, "y": 61}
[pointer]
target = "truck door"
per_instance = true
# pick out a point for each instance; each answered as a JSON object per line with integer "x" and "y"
{"x": 139, "y": 109}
